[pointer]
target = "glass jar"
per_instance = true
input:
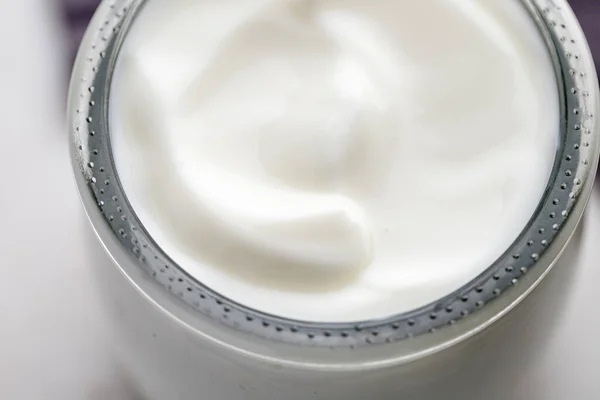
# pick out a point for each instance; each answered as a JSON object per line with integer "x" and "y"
{"x": 179, "y": 339}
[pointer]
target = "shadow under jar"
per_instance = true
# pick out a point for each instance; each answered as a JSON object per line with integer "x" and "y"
{"x": 178, "y": 338}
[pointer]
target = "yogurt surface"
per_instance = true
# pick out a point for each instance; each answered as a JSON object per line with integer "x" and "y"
{"x": 334, "y": 160}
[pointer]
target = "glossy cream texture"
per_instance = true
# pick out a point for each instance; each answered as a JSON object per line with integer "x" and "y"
{"x": 330, "y": 160}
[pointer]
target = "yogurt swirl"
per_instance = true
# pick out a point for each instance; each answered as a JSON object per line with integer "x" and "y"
{"x": 332, "y": 160}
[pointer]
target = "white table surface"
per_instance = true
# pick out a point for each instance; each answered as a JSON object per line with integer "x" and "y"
{"x": 52, "y": 343}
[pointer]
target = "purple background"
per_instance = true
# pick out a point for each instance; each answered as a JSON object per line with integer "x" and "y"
{"x": 588, "y": 12}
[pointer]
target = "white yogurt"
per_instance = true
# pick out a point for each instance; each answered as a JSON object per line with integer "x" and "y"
{"x": 330, "y": 160}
